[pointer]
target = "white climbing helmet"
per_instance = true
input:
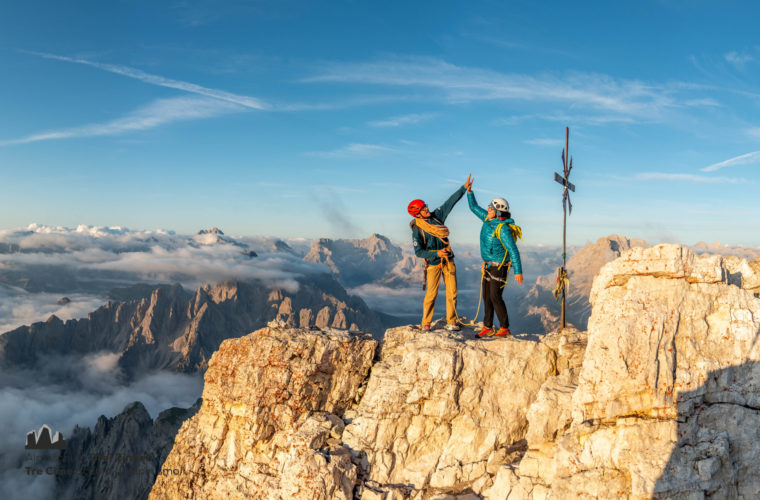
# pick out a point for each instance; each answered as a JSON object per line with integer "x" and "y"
{"x": 500, "y": 205}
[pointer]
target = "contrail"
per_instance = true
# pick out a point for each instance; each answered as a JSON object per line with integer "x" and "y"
{"x": 752, "y": 157}
{"x": 247, "y": 101}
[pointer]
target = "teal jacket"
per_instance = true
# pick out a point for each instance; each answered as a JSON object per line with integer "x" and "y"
{"x": 427, "y": 247}
{"x": 491, "y": 248}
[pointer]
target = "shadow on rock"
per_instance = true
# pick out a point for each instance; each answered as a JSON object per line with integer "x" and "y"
{"x": 717, "y": 453}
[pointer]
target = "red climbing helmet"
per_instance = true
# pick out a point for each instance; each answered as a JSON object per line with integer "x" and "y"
{"x": 414, "y": 207}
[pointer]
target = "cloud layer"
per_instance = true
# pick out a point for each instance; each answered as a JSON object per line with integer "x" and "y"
{"x": 19, "y": 307}
{"x": 464, "y": 84}
{"x": 29, "y": 399}
{"x": 40, "y": 264}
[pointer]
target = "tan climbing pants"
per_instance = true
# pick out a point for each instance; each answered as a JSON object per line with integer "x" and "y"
{"x": 433, "y": 277}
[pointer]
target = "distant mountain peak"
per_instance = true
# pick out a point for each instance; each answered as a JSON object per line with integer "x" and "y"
{"x": 356, "y": 261}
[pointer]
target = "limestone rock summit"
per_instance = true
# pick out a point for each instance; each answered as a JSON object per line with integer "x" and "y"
{"x": 667, "y": 403}
{"x": 268, "y": 426}
{"x": 660, "y": 398}
{"x": 296, "y": 414}
{"x": 582, "y": 267}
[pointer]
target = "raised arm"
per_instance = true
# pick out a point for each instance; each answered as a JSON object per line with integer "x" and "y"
{"x": 443, "y": 211}
{"x": 479, "y": 212}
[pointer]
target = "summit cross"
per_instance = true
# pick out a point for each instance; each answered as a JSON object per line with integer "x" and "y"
{"x": 567, "y": 207}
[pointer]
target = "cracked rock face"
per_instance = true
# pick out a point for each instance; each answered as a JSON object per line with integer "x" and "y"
{"x": 269, "y": 424}
{"x": 667, "y": 403}
{"x": 441, "y": 412}
{"x": 582, "y": 268}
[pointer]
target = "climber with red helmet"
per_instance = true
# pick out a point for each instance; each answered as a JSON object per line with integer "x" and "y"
{"x": 430, "y": 238}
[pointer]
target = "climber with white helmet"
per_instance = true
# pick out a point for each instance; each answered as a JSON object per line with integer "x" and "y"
{"x": 430, "y": 238}
{"x": 499, "y": 252}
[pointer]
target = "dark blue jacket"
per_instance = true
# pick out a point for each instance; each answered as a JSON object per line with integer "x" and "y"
{"x": 427, "y": 247}
{"x": 491, "y": 248}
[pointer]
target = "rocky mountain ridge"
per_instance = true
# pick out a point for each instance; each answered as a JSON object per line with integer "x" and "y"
{"x": 658, "y": 399}
{"x": 172, "y": 329}
{"x": 121, "y": 455}
{"x": 356, "y": 262}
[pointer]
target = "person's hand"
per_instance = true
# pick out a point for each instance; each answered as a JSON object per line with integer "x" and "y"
{"x": 443, "y": 253}
{"x": 468, "y": 183}
{"x": 519, "y": 279}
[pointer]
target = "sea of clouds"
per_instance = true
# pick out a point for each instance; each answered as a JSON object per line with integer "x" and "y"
{"x": 39, "y": 265}
{"x": 93, "y": 387}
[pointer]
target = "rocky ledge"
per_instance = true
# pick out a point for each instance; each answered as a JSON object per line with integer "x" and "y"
{"x": 659, "y": 399}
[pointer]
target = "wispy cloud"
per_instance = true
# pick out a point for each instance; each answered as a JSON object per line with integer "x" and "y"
{"x": 242, "y": 100}
{"x": 738, "y": 59}
{"x": 159, "y": 112}
{"x": 354, "y": 150}
{"x": 665, "y": 176}
{"x": 745, "y": 159}
{"x": 700, "y": 103}
{"x": 545, "y": 142}
{"x": 754, "y": 132}
{"x": 463, "y": 84}
{"x": 532, "y": 48}
{"x": 398, "y": 121}
{"x": 585, "y": 119}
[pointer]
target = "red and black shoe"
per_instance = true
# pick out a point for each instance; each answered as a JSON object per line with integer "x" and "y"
{"x": 503, "y": 332}
{"x": 485, "y": 332}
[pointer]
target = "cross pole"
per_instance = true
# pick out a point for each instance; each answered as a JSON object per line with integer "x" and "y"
{"x": 567, "y": 164}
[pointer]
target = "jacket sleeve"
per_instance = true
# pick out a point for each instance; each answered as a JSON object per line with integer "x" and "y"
{"x": 514, "y": 254}
{"x": 443, "y": 211}
{"x": 419, "y": 246}
{"x": 475, "y": 208}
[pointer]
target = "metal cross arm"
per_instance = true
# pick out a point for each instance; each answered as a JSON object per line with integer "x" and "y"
{"x": 569, "y": 185}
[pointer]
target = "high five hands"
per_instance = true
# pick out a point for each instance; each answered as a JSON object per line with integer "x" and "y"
{"x": 468, "y": 183}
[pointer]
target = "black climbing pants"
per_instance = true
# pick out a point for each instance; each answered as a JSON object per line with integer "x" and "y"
{"x": 493, "y": 281}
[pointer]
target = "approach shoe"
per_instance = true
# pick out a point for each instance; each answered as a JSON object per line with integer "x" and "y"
{"x": 503, "y": 332}
{"x": 486, "y": 331}
{"x": 426, "y": 328}
{"x": 453, "y": 327}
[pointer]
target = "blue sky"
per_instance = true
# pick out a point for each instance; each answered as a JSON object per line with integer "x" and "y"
{"x": 310, "y": 119}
